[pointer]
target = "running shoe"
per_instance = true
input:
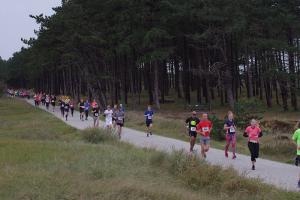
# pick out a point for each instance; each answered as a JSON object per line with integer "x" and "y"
{"x": 253, "y": 167}
{"x": 147, "y": 134}
{"x": 226, "y": 154}
{"x": 234, "y": 157}
{"x": 299, "y": 184}
{"x": 297, "y": 161}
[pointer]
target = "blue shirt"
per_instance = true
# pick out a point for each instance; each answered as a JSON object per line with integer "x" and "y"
{"x": 149, "y": 114}
{"x": 86, "y": 106}
{"x": 230, "y": 123}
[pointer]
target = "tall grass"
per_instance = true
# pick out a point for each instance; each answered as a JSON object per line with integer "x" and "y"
{"x": 55, "y": 168}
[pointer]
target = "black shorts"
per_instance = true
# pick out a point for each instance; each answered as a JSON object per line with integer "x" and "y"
{"x": 81, "y": 110}
{"x": 120, "y": 124}
{"x": 149, "y": 122}
{"x": 192, "y": 134}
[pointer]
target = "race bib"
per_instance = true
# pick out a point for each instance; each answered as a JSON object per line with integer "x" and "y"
{"x": 193, "y": 128}
{"x": 205, "y": 129}
{"x": 149, "y": 117}
{"x": 96, "y": 114}
{"x": 120, "y": 118}
{"x": 232, "y": 130}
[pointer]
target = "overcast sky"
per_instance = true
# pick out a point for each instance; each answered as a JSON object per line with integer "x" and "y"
{"x": 15, "y": 22}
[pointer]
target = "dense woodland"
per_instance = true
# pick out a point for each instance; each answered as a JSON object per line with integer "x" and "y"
{"x": 202, "y": 49}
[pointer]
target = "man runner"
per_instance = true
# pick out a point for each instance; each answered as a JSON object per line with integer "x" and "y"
{"x": 296, "y": 138}
{"x": 72, "y": 107}
{"x": 86, "y": 109}
{"x": 192, "y": 123}
{"x": 149, "y": 120}
{"x": 53, "y": 100}
{"x": 47, "y": 100}
{"x": 67, "y": 108}
{"x": 204, "y": 128}
{"x": 119, "y": 116}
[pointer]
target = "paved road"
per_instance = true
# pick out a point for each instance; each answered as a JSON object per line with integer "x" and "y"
{"x": 281, "y": 175}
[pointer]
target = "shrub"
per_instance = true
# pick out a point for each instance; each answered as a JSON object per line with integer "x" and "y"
{"x": 96, "y": 136}
{"x": 217, "y": 132}
{"x": 247, "y": 109}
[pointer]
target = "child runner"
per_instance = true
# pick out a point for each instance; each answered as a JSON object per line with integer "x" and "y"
{"x": 296, "y": 138}
{"x": 119, "y": 116}
{"x": 149, "y": 120}
{"x": 95, "y": 111}
{"x": 72, "y": 107}
{"x": 191, "y": 123}
{"x": 253, "y": 132}
{"x": 86, "y": 109}
{"x": 81, "y": 109}
{"x": 204, "y": 128}
{"x": 108, "y": 113}
{"x": 67, "y": 108}
{"x": 230, "y": 129}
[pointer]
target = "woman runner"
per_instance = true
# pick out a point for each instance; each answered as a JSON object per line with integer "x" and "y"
{"x": 72, "y": 108}
{"x": 47, "y": 100}
{"x": 230, "y": 128}
{"x": 86, "y": 109}
{"x": 253, "y": 132}
{"x": 96, "y": 114}
{"x": 119, "y": 116}
{"x": 296, "y": 138}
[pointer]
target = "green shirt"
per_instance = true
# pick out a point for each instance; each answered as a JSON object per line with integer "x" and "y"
{"x": 296, "y": 137}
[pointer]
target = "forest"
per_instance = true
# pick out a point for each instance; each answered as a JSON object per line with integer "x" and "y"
{"x": 198, "y": 50}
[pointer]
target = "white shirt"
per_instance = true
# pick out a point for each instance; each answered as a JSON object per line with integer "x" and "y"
{"x": 108, "y": 114}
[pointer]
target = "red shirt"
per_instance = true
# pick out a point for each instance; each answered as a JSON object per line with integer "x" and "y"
{"x": 204, "y": 127}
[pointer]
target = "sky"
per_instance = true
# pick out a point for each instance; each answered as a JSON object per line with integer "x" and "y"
{"x": 15, "y": 22}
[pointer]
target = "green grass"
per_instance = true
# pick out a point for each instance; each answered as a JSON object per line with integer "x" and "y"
{"x": 42, "y": 158}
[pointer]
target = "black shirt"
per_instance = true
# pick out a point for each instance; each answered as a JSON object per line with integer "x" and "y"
{"x": 95, "y": 111}
{"x": 192, "y": 121}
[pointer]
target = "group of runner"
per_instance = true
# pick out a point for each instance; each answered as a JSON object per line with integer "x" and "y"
{"x": 197, "y": 127}
{"x": 253, "y": 132}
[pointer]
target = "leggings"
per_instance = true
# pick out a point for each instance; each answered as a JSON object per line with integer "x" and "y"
{"x": 86, "y": 114}
{"x": 254, "y": 150}
{"x": 230, "y": 139}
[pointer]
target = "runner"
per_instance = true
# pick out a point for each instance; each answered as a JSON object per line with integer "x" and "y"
{"x": 72, "y": 108}
{"x": 47, "y": 101}
{"x": 119, "y": 116}
{"x": 204, "y": 128}
{"x": 296, "y": 138}
{"x": 53, "y": 100}
{"x": 86, "y": 109}
{"x": 43, "y": 99}
{"x": 149, "y": 120}
{"x": 96, "y": 113}
{"x": 81, "y": 109}
{"x": 108, "y": 113}
{"x": 36, "y": 99}
{"x": 191, "y": 123}
{"x": 62, "y": 107}
{"x": 230, "y": 128}
{"x": 113, "y": 117}
{"x": 253, "y": 132}
{"x": 67, "y": 108}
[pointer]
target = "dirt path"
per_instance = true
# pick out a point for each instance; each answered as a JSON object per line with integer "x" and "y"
{"x": 281, "y": 175}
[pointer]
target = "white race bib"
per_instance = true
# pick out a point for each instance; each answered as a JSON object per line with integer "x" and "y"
{"x": 205, "y": 129}
{"x": 96, "y": 114}
{"x": 149, "y": 117}
{"x": 193, "y": 128}
{"x": 120, "y": 118}
{"x": 232, "y": 130}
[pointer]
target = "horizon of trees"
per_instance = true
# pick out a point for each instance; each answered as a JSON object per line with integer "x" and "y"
{"x": 109, "y": 49}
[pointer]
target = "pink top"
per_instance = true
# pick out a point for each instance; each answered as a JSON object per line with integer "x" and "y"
{"x": 253, "y": 133}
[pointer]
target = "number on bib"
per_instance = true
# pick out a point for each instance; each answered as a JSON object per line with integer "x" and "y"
{"x": 205, "y": 129}
{"x": 193, "y": 128}
{"x": 232, "y": 130}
